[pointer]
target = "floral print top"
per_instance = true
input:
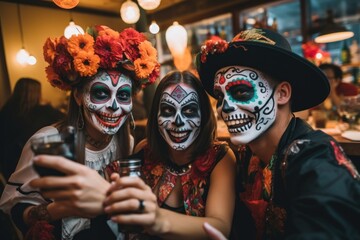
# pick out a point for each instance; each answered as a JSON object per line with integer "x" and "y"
{"x": 195, "y": 178}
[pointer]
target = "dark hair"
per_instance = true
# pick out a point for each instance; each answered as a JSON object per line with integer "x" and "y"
{"x": 26, "y": 95}
{"x": 72, "y": 118}
{"x": 208, "y": 122}
{"x": 338, "y": 73}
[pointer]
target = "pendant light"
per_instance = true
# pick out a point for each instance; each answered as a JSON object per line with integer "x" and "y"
{"x": 23, "y": 56}
{"x": 129, "y": 12}
{"x": 149, "y": 4}
{"x": 154, "y": 27}
{"x": 332, "y": 32}
{"x": 176, "y": 39}
{"x": 66, "y": 4}
{"x": 72, "y": 29}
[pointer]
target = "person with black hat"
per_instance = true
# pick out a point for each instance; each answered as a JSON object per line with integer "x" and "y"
{"x": 297, "y": 182}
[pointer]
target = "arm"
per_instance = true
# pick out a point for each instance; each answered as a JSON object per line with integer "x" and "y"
{"x": 213, "y": 233}
{"x": 323, "y": 194}
{"x": 172, "y": 225}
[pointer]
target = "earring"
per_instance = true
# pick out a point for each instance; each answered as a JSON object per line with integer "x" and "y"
{"x": 80, "y": 120}
{"x": 132, "y": 122}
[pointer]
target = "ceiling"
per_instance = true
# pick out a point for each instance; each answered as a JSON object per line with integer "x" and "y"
{"x": 183, "y": 11}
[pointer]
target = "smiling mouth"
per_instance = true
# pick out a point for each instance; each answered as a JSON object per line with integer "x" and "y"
{"x": 178, "y": 137}
{"x": 239, "y": 125}
{"x": 108, "y": 120}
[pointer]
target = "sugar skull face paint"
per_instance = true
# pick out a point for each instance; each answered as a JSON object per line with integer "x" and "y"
{"x": 245, "y": 102}
{"x": 179, "y": 116}
{"x": 107, "y": 101}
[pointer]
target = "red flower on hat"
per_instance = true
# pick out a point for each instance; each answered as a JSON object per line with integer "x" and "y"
{"x": 212, "y": 47}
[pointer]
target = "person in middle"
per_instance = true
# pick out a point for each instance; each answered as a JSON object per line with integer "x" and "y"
{"x": 191, "y": 174}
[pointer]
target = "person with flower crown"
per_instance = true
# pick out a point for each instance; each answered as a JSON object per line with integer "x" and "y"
{"x": 297, "y": 182}
{"x": 102, "y": 68}
{"x": 183, "y": 163}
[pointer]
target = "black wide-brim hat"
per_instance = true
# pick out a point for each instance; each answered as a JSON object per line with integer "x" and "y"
{"x": 270, "y": 53}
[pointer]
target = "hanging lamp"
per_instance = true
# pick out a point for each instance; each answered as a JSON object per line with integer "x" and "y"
{"x": 176, "y": 39}
{"x": 332, "y": 32}
{"x": 129, "y": 12}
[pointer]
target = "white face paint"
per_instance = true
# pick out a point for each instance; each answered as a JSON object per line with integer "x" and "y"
{"x": 107, "y": 101}
{"x": 245, "y": 102}
{"x": 179, "y": 116}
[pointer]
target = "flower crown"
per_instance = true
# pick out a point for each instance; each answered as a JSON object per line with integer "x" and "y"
{"x": 82, "y": 56}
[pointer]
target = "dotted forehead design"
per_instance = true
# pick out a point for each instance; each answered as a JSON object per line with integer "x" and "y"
{"x": 178, "y": 94}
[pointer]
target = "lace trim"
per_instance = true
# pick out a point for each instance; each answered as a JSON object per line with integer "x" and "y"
{"x": 97, "y": 160}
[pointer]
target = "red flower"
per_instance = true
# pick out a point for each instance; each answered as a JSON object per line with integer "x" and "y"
{"x": 110, "y": 51}
{"x": 213, "y": 47}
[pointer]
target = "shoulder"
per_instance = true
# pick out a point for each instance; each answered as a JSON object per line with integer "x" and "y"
{"x": 48, "y": 130}
{"x": 224, "y": 154}
{"x": 141, "y": 145}
{"x": 317, "y": 158}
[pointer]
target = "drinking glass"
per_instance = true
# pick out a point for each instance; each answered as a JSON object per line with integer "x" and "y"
{"x": 350, "y": 110}
{"x": 61, "y": 144}
{"x": 126, "y": 168}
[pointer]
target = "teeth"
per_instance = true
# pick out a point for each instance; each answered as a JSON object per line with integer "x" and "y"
{"x": 178, "y": 134}
{"x": 109, "y": 119}
{"x": 240, "y": 129}
{"x": 237, "y": 122}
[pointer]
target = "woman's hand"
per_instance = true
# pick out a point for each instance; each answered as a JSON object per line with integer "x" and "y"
{"x": 130, "y": 201}
{"x": 80, "y": 193}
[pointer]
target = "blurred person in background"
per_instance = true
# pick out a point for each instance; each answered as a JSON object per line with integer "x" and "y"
{"x": 338, "y": 88}
{"x": 21, "y": 116}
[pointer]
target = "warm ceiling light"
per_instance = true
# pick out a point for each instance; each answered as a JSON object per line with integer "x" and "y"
{"x": 149, "y": 4}
{"x": 176, "y": 39}
{"x": 31, "y": 60}
{"x": 72, "y": 29}
{"x": 22, "y": 56}
{"x": 67, "y": 4}
{"x": 332, "y": 32}
{"x": 154, "y": 27}
{"x": 129, "y": 12}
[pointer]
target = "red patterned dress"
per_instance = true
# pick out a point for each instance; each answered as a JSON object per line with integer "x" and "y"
{"x": 194, "y": 177}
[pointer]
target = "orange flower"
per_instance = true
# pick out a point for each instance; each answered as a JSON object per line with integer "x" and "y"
{"x": 49, "y": 50}
{"x": 147, "y": 50}
{"x": 267, "y": 180}
{"x": 79, "y": 43}
{"x": 144, "y": 67}
{"x": 254, "y": 165}
{"x": 157, "y": 171}
{"x": 55, "y": 80}
{"x": 109, "y": 32}
{"x": 86, "y": 63}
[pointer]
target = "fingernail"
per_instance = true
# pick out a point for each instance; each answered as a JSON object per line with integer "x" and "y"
{"x": 36, "y": 158}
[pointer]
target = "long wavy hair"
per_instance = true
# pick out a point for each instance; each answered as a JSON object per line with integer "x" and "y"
{"x": 207, "y": 133}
